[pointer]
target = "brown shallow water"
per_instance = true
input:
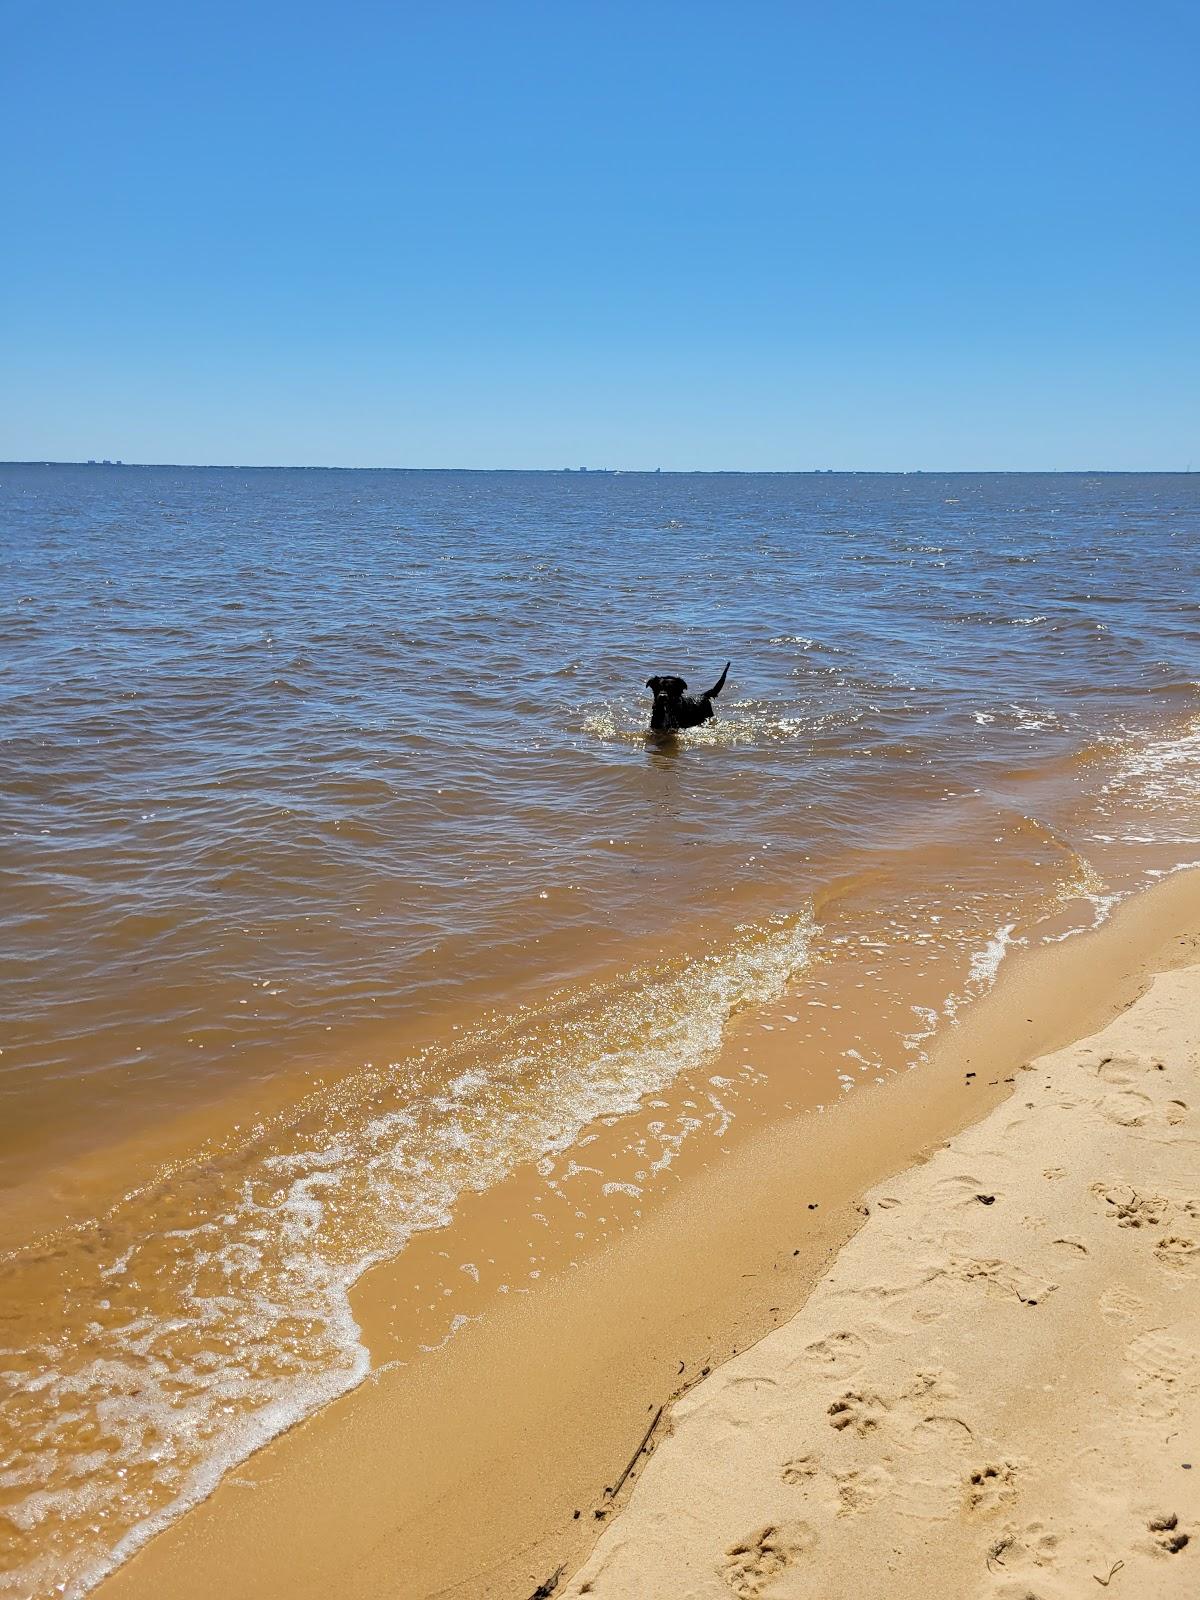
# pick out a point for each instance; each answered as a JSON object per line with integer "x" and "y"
{"x": 342, "y": 884}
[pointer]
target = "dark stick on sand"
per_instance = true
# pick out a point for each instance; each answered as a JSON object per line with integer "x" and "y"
{"x": 616, "y": 1488}
{"x": 545, "y": 1590}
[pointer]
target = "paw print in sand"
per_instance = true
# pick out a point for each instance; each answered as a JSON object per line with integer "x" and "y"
{"x": 859, "y": 1491}
{"x": 751, "y": 1565}
{"x": 838, "y": 1355}
{"x": 991, "y": 1486}
{"x": 1131, "y": 1209}
{"x": 861, "y": 1411}
{"x": 1020, "y": 1556}
{"x": 1177, "y": 1251}
{"x": 800, "y": 1470}
{"x": 1167, "y": 1533}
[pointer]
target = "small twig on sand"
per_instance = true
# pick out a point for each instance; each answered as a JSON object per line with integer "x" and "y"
{"x": 545, "y": 1590}
{"x": 996, "y": 1553}
{"x": 1115, "y": 1568}
{"x": 616, "y": 1488}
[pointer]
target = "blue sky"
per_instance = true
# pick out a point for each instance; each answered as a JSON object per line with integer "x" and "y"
{"x": 695, "y": 235}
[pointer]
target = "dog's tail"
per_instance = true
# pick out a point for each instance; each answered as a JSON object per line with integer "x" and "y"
{"x": 719, "y": 685}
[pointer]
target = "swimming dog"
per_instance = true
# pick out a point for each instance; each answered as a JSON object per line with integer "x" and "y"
{"x": 674, "y": 708}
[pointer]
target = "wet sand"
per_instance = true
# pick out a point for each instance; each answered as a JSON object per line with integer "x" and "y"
{"x": 460, "y": 1471}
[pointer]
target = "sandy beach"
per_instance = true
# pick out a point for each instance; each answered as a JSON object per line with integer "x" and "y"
{"x": 486, "y": 1469}
{"x": 994, "y": 1392}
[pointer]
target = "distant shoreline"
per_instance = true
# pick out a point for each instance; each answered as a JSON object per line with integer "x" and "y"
{"x": 638, "y": 472}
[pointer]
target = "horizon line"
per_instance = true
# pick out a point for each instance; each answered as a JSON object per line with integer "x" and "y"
{"x": 612, "y": 472}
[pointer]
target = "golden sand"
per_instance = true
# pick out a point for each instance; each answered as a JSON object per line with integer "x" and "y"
{"x": 995, "y": 1389}
{"x": 460, "y": 1472}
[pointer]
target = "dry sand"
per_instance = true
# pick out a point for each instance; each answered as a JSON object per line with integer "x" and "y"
{"x": 993, "y": 1393}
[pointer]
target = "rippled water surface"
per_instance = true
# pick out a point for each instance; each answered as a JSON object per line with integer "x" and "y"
{"x": 329, "y": 822}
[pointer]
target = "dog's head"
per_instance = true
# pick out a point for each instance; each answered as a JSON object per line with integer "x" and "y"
{"x": 667, "y": 688}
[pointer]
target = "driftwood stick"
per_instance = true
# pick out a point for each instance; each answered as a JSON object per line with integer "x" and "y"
{"x": 616, "y": 1488}
{"x": 545, "y": 1590}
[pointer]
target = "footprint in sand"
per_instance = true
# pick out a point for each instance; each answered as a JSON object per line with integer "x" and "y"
{"x": 1129, "y": 1109}
{"x": 1068, "y": 1242}
{"x": 838, "y": 1355}
{"x": 1118, "y": 1305}
{"x": 991, "y": 1486}
{"x": 931, "y": 1383}
{"x": 1166, "y": 1356}
{"x": 966, "y": 1190}
{"x": 1163, "y": 1366}
{"x": 861, "y": 1411}
{"x": 1123, "y": 1069}
{"x": 927, "y": 1314}
{"x": 800, "y": 1470}
{"x": 1168, "y": 1535}
{"x": 1005, "y": 1278}
{"x": 1129, "y": 1208}
{"x": 936, "y": 1451}
{"x": 1132, "y": 1109}
{"x": 1177, "y": 1252}
{"x": 926, "y": 1452}
{"x": 1019, "y": 1559}
{"x": 751, "y": 1565}
{"x": 859, "y": 1490}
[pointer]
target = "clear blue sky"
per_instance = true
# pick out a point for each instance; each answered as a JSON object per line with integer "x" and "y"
{"x": 683, "y": 233}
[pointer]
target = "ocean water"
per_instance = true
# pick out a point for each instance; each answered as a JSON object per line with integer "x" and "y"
{"x": 341, "y": 878}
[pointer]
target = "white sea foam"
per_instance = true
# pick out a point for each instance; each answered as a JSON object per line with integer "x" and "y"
{"x": 1162, "y": 776}
{"x": 985, "y": 963}
{"x": 982, "y": 971}
{"x": 254, "y": 1328}
{"x": 741, "y": 722}
{"x": 1086, "y": 885}
{"x": 1167, "y": 872}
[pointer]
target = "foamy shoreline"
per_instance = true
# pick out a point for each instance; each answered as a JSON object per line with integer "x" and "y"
{"x": 994, "y": 1391}
{"x": 209, "y": 1308}
{"x": 533, "y": 1411}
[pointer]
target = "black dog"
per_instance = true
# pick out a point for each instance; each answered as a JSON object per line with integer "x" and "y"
{"x": 674, "y": 709}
